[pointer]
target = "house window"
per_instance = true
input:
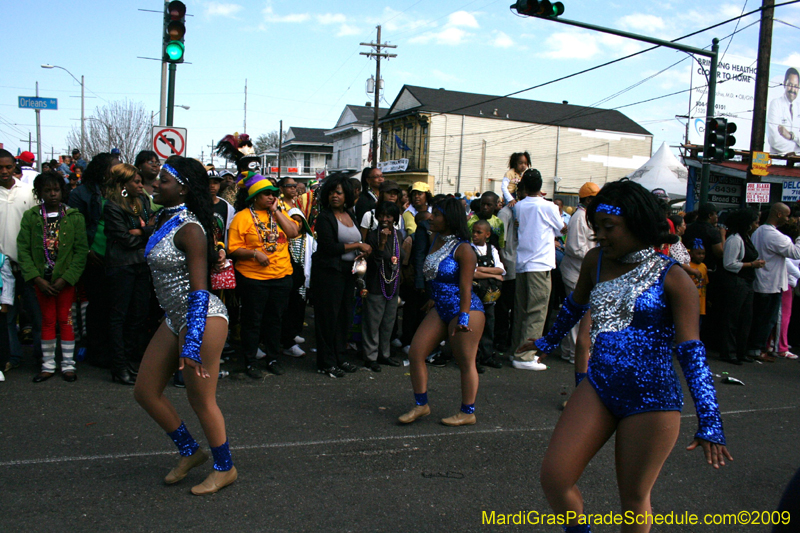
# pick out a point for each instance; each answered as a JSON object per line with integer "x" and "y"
{"x": 306, "y": 163}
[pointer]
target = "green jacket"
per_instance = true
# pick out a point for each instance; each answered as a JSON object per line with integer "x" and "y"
{"x": 72, "y": 246}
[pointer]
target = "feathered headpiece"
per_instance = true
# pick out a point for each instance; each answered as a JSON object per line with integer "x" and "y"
{"x": 239, "y": 149}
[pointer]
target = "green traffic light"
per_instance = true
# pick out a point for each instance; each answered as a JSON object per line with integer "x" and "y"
{"x": 174, "y": 50}
{"x": 558, "y": 9}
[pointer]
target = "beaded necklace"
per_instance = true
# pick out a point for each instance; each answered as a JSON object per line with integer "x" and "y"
{"x": 269, "y": 238}
{"x": 395, "y": 271}
{"x": 51, "y": 233}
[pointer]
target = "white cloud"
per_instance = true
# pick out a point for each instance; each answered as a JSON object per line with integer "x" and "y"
{"x": 270, "y": 16}
{"x": 642, "y": 23}
{"x": 502, "y": 40}
{"x": 793, "y": 59}
{"x": 727, "y": 11}
{"x": 443, "y": 76}
{"x": 394, "y": 21}
{"x": 571, "y": 45}
{"x": 346, "y": 30}
{"x": 216, "y": 9}
{"x": 331, "y": 18}
{"x": 448, "y": 36}
{"x": 462, "y": 18}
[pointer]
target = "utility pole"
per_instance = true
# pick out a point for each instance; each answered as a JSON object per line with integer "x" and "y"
{"x": 762, "y": 86}
{"x": 245, "y": 106}
{"x": 29, "y": 140}
{"x": 38, "y": 134}
{"x": 280, "y": 148}
{"x": 212, "y": 146}
{"x": 377, "y": 54}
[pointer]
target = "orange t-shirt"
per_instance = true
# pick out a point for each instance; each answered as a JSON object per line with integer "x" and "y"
{"x": 244, "y": 234}
{"x": 701, "y": 283}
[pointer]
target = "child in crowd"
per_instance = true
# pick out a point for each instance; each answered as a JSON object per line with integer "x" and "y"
{"x": 487, "y": 209}
{"x": 698, "y": 254}
{"x": 486, "y": 285}
{"x": 52, "y": 250}
{"x": 6, "y": 301}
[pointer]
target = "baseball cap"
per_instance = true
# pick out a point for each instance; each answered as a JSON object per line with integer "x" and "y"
{"x": 115, "y": 151}
{"x": 75, "y": 151}
{"x": 389, "y": 185}
{"x": 26, "y": 157}
{"x": 421, "y": 186}
{"x": 588, "y": 189}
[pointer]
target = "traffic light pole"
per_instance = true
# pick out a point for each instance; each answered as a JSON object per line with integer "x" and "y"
{"x": 712, "y": 82}
{"x": 705, "y": 173}
{"x": 171, "y": 93}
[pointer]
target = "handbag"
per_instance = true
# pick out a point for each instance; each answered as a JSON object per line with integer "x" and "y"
{"x": 224, "y": 278}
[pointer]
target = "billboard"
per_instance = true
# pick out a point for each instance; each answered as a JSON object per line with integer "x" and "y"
{"x": 736, "y": 87}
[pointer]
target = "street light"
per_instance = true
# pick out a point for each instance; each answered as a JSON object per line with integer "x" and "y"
{"x": 83, "y": 128}
{"x": 154, "y": 115}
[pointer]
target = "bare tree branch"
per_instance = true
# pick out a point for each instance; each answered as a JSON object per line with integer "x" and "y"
{"x": 120, "y": 124}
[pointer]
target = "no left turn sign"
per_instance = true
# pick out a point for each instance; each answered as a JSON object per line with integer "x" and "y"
{"x": 169, "y": 141}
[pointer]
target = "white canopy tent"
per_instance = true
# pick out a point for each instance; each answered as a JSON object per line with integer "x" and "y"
{"x": 663, "y": 171}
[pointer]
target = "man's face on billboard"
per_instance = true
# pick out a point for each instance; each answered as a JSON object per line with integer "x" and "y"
{"x": 791, "y": 86}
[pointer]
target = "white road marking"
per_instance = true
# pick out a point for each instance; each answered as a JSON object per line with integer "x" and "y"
{"x": 334, "y": 442}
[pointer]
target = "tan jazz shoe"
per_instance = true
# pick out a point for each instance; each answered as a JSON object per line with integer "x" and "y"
{"x": 459, "y": 419}
{"x": 417, "y": 412}
{"x": 215, "y": 481}
{"x": 184, "y": 465}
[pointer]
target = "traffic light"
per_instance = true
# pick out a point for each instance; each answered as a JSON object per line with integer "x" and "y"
{"x": 539, "y": 8}
{"x": 174, "y": 31}
{"x": 719, "y": 139}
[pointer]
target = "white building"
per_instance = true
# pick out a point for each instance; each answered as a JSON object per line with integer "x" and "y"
{"x": 352, "y": 137}
{"x": 461, "y": 142}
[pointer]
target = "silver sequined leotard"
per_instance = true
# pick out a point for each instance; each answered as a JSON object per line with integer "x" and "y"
{"x": 171, "y": 274}
{"x": 632, "y": 336}
{"x": 442, "y": 274}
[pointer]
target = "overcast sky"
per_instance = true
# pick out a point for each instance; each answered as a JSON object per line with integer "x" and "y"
{"x": 303, "y": 65}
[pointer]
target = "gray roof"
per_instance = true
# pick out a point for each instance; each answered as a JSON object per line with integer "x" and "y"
{"x": 366, "y": 114}
{"x": 517, "y": 109}
{"x": 309, "y": 135}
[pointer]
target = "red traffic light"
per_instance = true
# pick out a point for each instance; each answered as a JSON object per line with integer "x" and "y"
{"x": 176, "y": 10}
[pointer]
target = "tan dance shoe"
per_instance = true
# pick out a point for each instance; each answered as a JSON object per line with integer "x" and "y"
{"x": 417, "y": 412}
{"x": 184, "y": 465}
{"x": 459, "y": 419}
{"x": 215, "y": 481}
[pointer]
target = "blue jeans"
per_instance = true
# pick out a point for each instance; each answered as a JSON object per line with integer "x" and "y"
{"x": 31, "y": 305}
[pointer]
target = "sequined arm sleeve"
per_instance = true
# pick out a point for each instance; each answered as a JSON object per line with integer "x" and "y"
{"x": 692, "y": 358}
{"x": 196, "y": 313}
{"x": 570, "y": 314}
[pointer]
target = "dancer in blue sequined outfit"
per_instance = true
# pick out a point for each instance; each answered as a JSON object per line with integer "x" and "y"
{"x": 643, "y": 310}
{"x": 455, "y": 312}
{"x": 193, "y": 333}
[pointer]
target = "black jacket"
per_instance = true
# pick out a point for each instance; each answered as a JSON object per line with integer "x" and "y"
{"x": 329, "y": 249}
{"x": 378, "y": 258}
{"x": 419, "y": 250}
{"x": 122, "y": 248}
{"x": 89, "y": 201}
{"x": 365, "y": 203}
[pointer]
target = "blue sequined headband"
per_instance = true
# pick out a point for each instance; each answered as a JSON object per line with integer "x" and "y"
{"x": 698, "y": 243}
{"x": 174, "y": 173}
{"x": 439, "y": 208}
{"x": 610, "y": 209}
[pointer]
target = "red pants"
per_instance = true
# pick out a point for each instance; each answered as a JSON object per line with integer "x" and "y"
{"x": 57, "y": 309}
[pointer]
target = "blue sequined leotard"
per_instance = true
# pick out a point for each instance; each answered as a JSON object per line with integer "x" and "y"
{"x": 632, "y": 346}
{"x": 171, "y": 273}
{"x": 442, "y": 275}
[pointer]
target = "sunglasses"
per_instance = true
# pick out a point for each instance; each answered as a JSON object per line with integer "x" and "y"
{"x": 292, "y": 186}
{"x": 270, "y": 192}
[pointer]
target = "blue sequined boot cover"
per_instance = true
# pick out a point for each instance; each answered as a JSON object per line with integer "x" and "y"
{"x": 581, "y": 528}
{"x": 184, "y": 441}
{"x": 579, "y": 376}
{"x": 222, "y": 457}
{"x": 468, "y": 409}
{"x": 421, "y": 399}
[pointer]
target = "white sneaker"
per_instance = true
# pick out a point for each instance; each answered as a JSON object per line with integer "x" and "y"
{"x": 529, "y": 365}
{"x": 299, "y": 340}
{"x": 397, "y": 343}
{"x": 294, "y": 351}
{"x": 406, "y": 349}
{"x": 260, "y": 354}
{"x": 2, "y": 376}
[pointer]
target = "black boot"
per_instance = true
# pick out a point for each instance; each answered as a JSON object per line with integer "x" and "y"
{"x": 120, "y": 371}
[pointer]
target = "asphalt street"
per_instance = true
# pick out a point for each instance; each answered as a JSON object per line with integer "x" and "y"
{"x": 322, "y": 454}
